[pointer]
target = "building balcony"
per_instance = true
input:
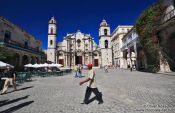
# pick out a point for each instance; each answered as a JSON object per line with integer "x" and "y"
{"x": 168, "y": 16}
{"x": 20, "y": 46}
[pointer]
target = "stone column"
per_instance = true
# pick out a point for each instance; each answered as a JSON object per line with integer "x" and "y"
{"x": 135, "y": 51}
{"x": 83, "y": 59}
{"x": 56, "y": 58}
{"x": 20, "y": 60}
{"x": 68, "y": 59}
{"x": 74, "y": 59}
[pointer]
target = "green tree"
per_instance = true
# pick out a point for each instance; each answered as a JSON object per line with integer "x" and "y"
{"x": 146, "y": 27}
{"x": 5, "y": 55}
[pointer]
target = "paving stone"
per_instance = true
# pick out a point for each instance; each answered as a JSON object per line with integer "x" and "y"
{"x": 123, "y": 92}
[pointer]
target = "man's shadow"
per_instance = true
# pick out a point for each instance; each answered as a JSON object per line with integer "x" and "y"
{"x": 21, "y": 89}
{"x": 17, "y": 107}
{"x": 6, "y": 102}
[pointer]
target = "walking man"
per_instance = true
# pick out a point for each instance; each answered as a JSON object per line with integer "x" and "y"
{"x": 106, "y": 69}
{"x": 91, "y": 87}
{"x": 11, "y": 79}
{"x": 76, "y": 73}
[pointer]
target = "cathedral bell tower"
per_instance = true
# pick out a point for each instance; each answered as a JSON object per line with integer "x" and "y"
{"x": 105, "y": 43}
{"x": 51, "y": 50}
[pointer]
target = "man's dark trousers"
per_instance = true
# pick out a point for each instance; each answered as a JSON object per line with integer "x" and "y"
{"x": 98, "y": 95}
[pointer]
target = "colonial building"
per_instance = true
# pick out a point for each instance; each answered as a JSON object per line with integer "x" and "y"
{"x": 105, "y": 43}
{"x": 25, "y": 47}
{"x": 166, "y": 36}
{"x": 116, "y": 40}
{"x": 52, "y": 31}
{"x": 76, "y": 48}
{"x": 130, "y": 49}
{"x": 79, "y": 48}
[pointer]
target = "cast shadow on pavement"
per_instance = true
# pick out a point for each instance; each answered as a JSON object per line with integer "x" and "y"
{"x": 6, "y": 102}
{"x": 21, "y": 89}
{"x": 17, "y": 107}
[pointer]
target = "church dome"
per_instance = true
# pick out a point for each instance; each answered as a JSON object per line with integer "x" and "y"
{"x": 52, "y": 21}
{"x": 104, "y": 23}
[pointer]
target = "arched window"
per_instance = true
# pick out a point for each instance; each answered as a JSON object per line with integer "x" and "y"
{"x": 25, "y": 60}
{"x": 7, "y": 36}
{"x": 26, "y": 44}
{"x": 51, "y": 31}
{"x": 51, "y": 42}
{"x": 79, "y": 42}
{"x": 106, "y": 43}
{"x": 105, "y": 32}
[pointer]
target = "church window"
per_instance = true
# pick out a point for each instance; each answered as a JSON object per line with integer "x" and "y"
{"x": 7, "y": 36}
{"x": 61, "y": 54}
{"x": 106, "y": 43}
{"x": 26, "y": 44}
{"x": 105, "y": 32}
{"x": 51, "y": 42}
{"x": 51, "y": 31}
{"x": 78, "y": 42}
{"x": 95, "y": 54}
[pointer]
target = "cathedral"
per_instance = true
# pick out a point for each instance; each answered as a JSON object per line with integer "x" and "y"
{"x": 79, "y": 48}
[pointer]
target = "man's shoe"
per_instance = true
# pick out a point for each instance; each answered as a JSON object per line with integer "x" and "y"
{"x": 3, "y": 93}
{"x": 15, "y": 90}
{"x": 100, "y": 102}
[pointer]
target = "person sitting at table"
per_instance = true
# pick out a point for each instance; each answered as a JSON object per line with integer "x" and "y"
{"x": 11, "y": 78}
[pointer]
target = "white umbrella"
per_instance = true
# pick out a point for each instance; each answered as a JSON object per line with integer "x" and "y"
{"x": 45, "y": 65}
{"x": 55, "y": 65}
{"x": 36, "y": 66}
{"x": 5, "y": 65}
{"x": 28, "y": 65}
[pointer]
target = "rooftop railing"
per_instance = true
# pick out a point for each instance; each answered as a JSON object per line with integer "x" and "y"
{"x": 168, "y": 16}
{"x": 17, "y": 45}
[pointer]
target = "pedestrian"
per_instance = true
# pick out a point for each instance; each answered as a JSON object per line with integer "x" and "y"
{"x": 76, "y": 71}
{"x": 79, "y": 71}
{"x": 130, "y": 68}
{"x": 91, "y": 87}
{"x": 11, "y": 78}
{"x": 106, "y": 69}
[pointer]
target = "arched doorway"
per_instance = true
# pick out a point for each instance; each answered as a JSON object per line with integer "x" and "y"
{"x": 61, "y": 58}
{"x": 25, "y": 60}
{"x": 33, "y": 60}
{"x": 37, "y": 60}
{"x": 169, "y": 51}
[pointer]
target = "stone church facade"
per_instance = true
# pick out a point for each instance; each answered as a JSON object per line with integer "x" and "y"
{"x": 79, "y": 48}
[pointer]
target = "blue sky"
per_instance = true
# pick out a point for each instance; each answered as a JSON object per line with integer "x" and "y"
{"x": 71, "y": 15}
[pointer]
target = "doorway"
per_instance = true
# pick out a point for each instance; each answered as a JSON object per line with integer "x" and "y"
{"x": 61, "y": 61}
{"x": 96, "y": 62}
{"x": 78, "y": 60}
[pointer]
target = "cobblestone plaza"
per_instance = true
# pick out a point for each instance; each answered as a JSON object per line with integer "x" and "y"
{"x": 123, "y": 92}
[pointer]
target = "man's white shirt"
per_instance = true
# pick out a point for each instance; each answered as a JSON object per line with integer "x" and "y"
{"x": 92, "y": 82}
